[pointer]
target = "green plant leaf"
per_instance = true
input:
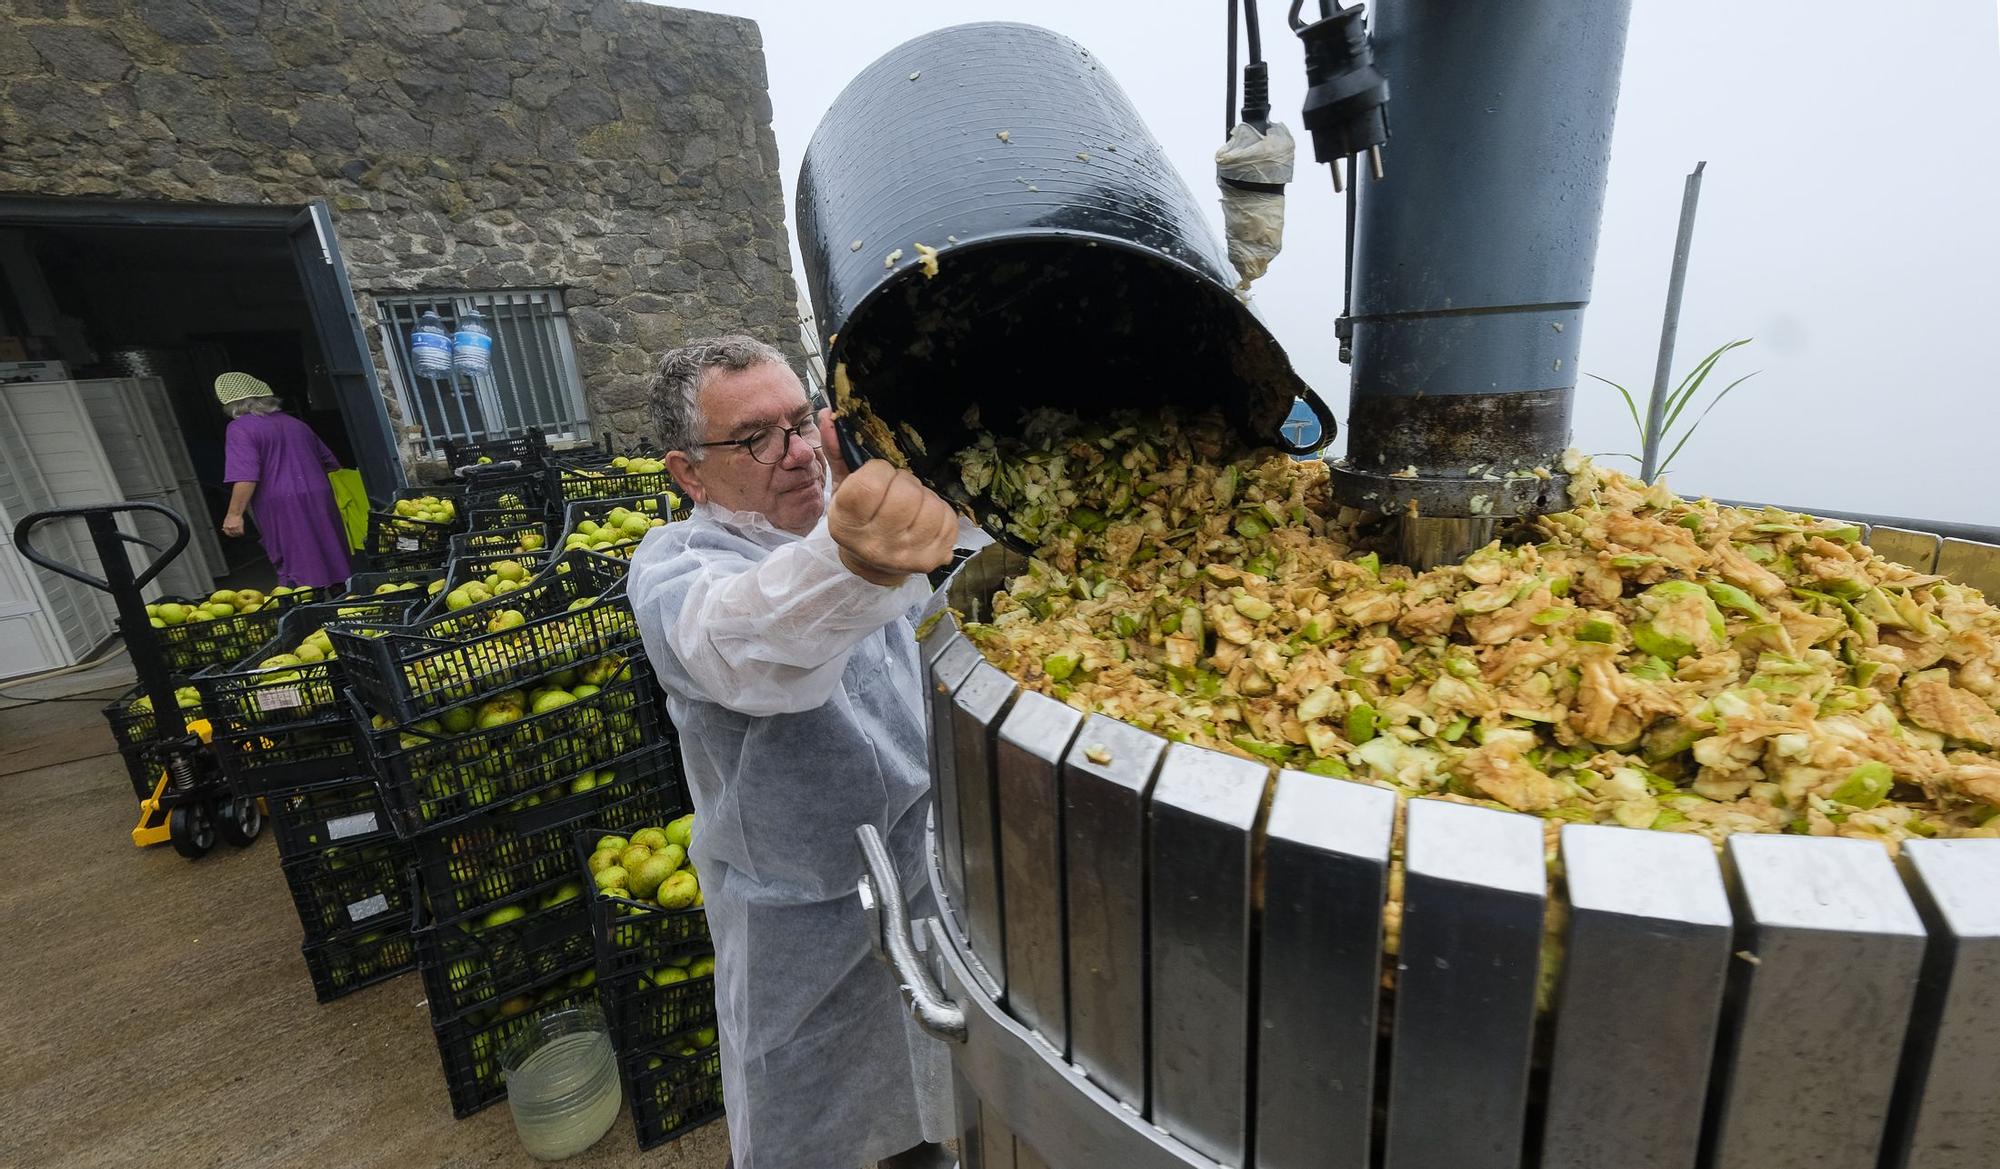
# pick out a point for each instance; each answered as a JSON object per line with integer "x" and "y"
{"x": 1691, "y": 385}
{"x": 1696, "y": 425}
{"x": 1631, "y": 406}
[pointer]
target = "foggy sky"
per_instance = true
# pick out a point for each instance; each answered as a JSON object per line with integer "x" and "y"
{"x": 1849, "y": 221}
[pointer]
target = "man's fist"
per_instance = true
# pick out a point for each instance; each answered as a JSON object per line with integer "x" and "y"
{"x": 889, "y": 525}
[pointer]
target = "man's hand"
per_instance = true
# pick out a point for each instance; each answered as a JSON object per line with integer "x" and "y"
{"x": 829, "y": 445}
{"x": 888, "y": 524}
{"x": 232, "y": 525}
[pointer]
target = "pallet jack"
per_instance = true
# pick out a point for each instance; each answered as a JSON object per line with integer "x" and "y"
{"x": 191, "y": 804}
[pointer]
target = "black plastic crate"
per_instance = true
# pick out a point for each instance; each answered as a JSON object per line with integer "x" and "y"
{"x": 645, "y": 1012}
{"x": 566, "y": 485}
{"x": 429, "y": 780}
{"x": 528, "y": 448}
{"x": 504, "y": 541}
{"x": 470, "y": 1047}
{"x": 134, "y": 730}
{"x": 364, "y": 584}
{"x": 396, "y": 608}
{"x": 224, "y": 641}
{"x": 341, "y": 966}
{"x": 313, "y": 752}
{"x": 400, "y": 539}
{"x": 480, "y": 962}
{"x": 450, "y": 659}
{"x": 465, "y": 569}
{"x": 673, "y": 1094}
{"x": 634, "y": 936}
{"x": 310, "y": 817}
{"x": 346, "y": 888}
{"x": 471, "y": 866}
{"x": 248, "y": 696}
{"x": 500, "y": 515}
{"x": 598, "y": 511}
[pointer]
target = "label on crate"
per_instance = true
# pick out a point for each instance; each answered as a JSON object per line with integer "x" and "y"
{"x": 367, "y": 907}
{"x": 406, "y": 543}
{"x": 342, "y": 827}
{"x": 278, "y": 698}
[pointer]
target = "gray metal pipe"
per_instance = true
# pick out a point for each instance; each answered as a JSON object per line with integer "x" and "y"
{"x": 1473, "y": 261}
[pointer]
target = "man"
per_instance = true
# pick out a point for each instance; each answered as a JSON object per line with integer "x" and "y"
{"x": 777, "y": 617}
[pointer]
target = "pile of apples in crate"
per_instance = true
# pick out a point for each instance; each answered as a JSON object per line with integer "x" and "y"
{"x": 656, "y": 974}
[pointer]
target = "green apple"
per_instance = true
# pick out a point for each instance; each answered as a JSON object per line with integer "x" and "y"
{"x": 610, "y": 879}
{"x": 678, "y": 891}
{"x": 502, "y": 915}
{"x": 633, "y": 854}
{"x": 680, "y": 830}
{"x": 551, "y": 700}
{"x": 653, "y": 838}
{"x": 645, "y": 879}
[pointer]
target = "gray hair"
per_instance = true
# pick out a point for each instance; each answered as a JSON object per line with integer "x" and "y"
{"x": 674, "y": 390}
{"x": 262, "y": 404}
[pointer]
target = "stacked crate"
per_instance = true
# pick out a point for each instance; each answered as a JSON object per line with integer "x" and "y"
{"x": 599, "y": 525}
{"x": 283, "y": 734}
{"x": 134, "y": 728}
{"x": 656, "y": 981}
{"x": 588, "y": 475}
{"x": 490, "y": 742}
{"x": 404, "y": 542}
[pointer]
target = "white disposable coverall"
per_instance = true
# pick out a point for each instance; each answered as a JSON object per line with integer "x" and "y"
{"x": 794, "y": 686}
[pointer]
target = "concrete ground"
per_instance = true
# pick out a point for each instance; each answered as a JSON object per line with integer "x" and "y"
{"x": 155, "y": 1011}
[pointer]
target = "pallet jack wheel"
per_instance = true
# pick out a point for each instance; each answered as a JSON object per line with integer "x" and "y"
{"x": 240, "y": 820}
{"x": 191, "y": 827}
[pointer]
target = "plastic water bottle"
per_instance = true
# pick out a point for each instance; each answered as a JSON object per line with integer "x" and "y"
{"x": 472, "y": 346}
{"x": 430, "y": 347}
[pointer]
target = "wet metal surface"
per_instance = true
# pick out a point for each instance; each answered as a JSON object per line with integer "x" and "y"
{"x": 1819, "y": 1008}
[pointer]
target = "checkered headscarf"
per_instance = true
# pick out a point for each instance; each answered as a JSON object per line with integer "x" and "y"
{"x": 232, "y": 387}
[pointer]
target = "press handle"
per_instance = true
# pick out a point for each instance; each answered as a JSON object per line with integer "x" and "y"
{"x": 881, "y": 893}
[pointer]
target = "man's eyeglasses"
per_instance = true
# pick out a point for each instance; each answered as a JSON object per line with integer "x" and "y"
{"x": 768, "y": 444}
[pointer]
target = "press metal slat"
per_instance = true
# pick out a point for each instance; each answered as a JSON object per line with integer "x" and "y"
{"x": 1645, "y": 963}
{"x": 1473, "y": 899}
{"x": 945, "y": 673}
{"x": 1918, "y": 550}
{"x": 1107, "y": 777}
{"x": 1972, "y": 563}
{"x": 1326, "y": 875}
{"x": 1203, "y": 817}
{"x": 1947, "y": 1113}
{"x": 1031, "y": 743}
{"x": 976, "y": 710}
{"x": 1830, "y": 946}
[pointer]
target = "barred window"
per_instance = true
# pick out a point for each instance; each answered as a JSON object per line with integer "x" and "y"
{"x": 535, "y": 379}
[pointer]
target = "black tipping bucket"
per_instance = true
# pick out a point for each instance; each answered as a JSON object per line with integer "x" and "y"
{"x": 1072, "y": 267}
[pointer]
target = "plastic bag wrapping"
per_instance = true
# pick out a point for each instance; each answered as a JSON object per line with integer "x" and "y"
{"x": 771, "y": 635}
{"x": 1254, "y": 221}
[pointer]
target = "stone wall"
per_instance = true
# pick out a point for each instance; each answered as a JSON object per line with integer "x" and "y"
{"x": 618, "y": 150}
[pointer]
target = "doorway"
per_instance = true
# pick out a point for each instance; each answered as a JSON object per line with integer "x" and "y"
{"x": 182, "y": 293}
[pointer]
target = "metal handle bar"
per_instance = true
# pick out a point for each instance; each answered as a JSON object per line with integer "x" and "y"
{"x": 101, "y": 517}
{"x": 881, "y": 892}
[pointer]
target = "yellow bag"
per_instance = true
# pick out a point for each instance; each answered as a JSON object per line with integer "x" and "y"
{"x": 352, "y": 500}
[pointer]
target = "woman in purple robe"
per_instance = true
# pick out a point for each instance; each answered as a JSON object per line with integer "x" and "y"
{"x": 276, "y": 467}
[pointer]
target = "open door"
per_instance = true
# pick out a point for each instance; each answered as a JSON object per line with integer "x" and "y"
{"x": 344, "y": 350}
